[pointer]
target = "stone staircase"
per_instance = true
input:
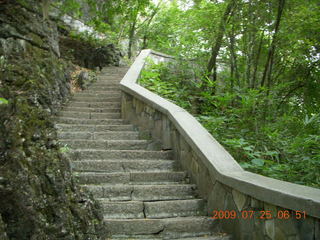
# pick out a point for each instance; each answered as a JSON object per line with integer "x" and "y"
{"x": 142, "y": 192}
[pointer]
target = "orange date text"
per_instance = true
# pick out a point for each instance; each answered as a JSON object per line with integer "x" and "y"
{"x": 263, "y": 214}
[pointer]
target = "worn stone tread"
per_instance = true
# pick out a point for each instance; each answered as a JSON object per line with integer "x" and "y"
{"x": 110, "y": 135}
{"x": 106, "y": 144}
{"x": 155, "y": 209}
{"x": 90, "y": 115}
{"x": 166, "y": 227}
{"x": 94, "y": 128}
{"x": 66, "y": 120}
{"x": 171, "y": 177}
{"x": 93, "y": 110}
{"x": 216, "y": 236}
{"x": 152, "y": 192}
{"x": 95, "y": 154}
{"x": 124, "y": 165}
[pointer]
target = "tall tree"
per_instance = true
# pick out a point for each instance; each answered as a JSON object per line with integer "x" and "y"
{"x": 212, "y": 64}
{"x": 270, "y": 59}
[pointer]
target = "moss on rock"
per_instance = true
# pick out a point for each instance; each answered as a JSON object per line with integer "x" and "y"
{"x": 38, "y": 197}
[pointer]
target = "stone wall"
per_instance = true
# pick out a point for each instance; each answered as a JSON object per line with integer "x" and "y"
{"x": 251, "y": 199}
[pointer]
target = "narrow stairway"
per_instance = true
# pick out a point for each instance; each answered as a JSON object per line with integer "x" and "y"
{"x": 141, "y": 190}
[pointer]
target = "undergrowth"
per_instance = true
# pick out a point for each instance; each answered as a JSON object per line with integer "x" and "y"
{"x": 278, "y": 143}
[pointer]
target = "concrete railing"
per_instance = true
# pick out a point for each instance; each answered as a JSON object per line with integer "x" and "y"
{"x": 281, "y": 210}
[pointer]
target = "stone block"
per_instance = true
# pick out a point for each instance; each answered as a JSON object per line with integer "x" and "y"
{"x": 216, "y": 198}
{"x": 256, "y": 204}
{"x": 166, "y": 133}
{"x": 157, "y": 129}
{"x": 239, "y": 199}
{"x": 204, "y": 182}
{"x": 270, "y": 228}
{"x": 306, "y": 228}
{"x": 287, "y": 226}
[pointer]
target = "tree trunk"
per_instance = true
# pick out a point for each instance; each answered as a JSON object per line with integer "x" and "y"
{"x": 234, "y": 72}
{"x": 269, "y": 64}
{"x": 254, "y": 77}
{"x": 131, "y": 38}
{"x": 212, "y": 64}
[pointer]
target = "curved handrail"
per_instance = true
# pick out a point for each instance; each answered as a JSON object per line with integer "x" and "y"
{"x": 217, "y": 160}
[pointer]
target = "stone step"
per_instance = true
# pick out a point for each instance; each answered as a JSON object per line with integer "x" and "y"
{"x": 107, "y": 144}
{"x": 88, "y": 115}
{"x": 94, "y": 104}
{"x": 107, "y": 83}
{"x": 65, "y": 120}
{"x": 87, "y": 154}
{"x": 157, "y": 177}
{"x": 92, "y": 110}
{"x": 124, "y": 165}
{"x": 99, "y": 91}
{"x": 130, "y": 177}
{"x": 176, "y": 208}
{"x": 94, "y": 128}
{"x": 113, "y": 87}
{"x": 167, "y": 228}
{"x": 216, "y": 236}
{"x": 126, "y": 192}
{"x": 95, "y": 99}
{"x": 98, "y": 95}
{"x": 111, "y": 135}
{"x": 152, "y": 210}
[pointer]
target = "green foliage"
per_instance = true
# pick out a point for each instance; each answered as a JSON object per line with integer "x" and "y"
{"x": 282, "y": 146}
{"x": 3, "y": 101}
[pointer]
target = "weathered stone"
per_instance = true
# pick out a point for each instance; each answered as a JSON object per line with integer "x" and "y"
{"x": 270, "y": 228}
{"x": 216, "y": 198}
{"x": 178, "y": 208}
{"x": 306, "y": 228}
{"x": 239, "y": 199}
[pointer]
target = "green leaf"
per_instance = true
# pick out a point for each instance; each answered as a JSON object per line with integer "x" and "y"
{"x": 3, "y": 101}
{"x": 245, "y": 165}
{"x": 258, "y": 162}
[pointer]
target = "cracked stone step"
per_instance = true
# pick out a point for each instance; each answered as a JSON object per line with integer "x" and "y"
{"x": 168, "y": 228}
{"x": 94, "y": 104}
{"x": 125, "y": 209}
{"x": 98, "y": 95}
{"x": 88, "y": 154}
{"x": 92, "y": 110}
{"x": 65, "y": 120}
{"x": 111, "y": 135}
{"x": 130, "y": 177}
{"x": 126, "y": 192}
{"x": 95, "y": 99}
{"x": 123, "y": 165}
{"x": 94, "y": 128}
{"x": 88, "y": 115}
{"x": 152, "y": 210}
{"x": 107, "y": 144}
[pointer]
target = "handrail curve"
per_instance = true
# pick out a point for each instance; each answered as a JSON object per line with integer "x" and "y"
{"x": 217, "y": 160}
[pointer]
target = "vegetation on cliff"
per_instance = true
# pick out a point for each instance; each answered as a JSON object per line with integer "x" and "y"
{"x": 38, "y": 197}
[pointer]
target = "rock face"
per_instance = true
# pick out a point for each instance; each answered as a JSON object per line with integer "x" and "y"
{"x": 89, "y": 55}
{"x": 38, "y": 198}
